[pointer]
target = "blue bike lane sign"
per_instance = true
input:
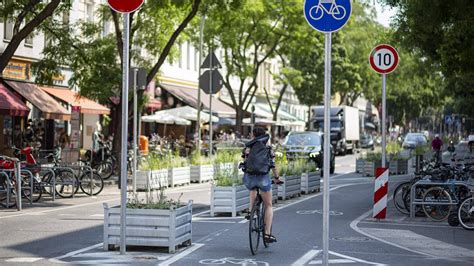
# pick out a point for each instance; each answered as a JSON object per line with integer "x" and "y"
{"x": 327, "y": 15}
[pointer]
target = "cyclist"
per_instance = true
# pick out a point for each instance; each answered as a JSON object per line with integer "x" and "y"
{"x": 260, "y": 178}
{"x": 436, "y": 144}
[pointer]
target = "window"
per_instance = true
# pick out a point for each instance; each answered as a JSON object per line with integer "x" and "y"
{"x": 89, "y": 12}
{"x": 29, "y": 40}
{"x": 188, "y": 55}
{"x": 7, "y": 30}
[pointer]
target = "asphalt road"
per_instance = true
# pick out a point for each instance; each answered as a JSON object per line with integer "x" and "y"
{"x": 70, "y": 230}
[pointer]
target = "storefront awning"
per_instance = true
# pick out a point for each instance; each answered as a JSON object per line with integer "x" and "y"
{"x": 71, "y": 97}
{"x": 190, "y": 95}
{"x": 10, "y": 104}
{"x": 50, "y": 108}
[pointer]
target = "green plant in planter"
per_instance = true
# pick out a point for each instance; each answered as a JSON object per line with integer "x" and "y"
{"x": 175, "y": 161}
{"x": 310, "y": 167}
{"x": 155, "y": 162}
{"x": 299, "y": 166}
{"x": 373, "y": 156}
{"x": 198, "y": 159}
{"x": 228, "y": 156}
{"x": 420, "y": 150}
{"x": 227, "y": 178}
{"x": 153, "y": 200}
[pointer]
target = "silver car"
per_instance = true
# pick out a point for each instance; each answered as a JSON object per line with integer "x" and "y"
{"x": 413, "y": 140}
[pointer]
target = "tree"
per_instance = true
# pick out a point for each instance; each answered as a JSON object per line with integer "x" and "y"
{"x": 95, "y": 60}
{"x": 442, "y": 33}
{"x": 26, "y": 16}
{"x": 249, "y": 33}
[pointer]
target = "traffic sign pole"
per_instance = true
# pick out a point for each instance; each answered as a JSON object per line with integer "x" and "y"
{"x": 210, "y": 104}
{"x": 384, "y": 116}
{"x": 327, "y": 142}
{"x": 124, "y": 151}
{"x": 198, "y": 123}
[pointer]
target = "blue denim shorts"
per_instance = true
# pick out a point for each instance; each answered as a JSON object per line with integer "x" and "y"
{"x": 263, "y": 182}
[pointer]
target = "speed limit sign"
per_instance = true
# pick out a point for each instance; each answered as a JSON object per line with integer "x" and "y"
{"x": 383, "y": 59}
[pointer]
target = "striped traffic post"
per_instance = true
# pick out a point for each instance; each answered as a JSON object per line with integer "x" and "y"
{"x": 380, "y": 195}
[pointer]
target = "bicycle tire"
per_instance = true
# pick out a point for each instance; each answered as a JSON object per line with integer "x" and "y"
{"x": 419, "y": 192}
{"x": 66, "y": 183}
{"x": 466, "y": 213}
{"x": 254, "y": 227}
{"x": 97, "y": 183}
{"x": 37, "y": 189}
{"x": 104, "y": 169}
{"x": 3, "y": 196}
{"x": 437, "y": 213}
{"x": 399, "y": 197}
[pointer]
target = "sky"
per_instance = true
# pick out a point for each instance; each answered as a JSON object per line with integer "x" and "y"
{"x": 384, "y": 14}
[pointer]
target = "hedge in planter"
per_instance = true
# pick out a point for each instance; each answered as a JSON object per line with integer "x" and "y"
{"x": 228, "y": 195}
{"x": 372, "y": 162}
{"x": 310, "y": 180}
{"x": 162, "y": 223}
{"x": 291, "y": 176}
{"x": 202, "y": 169}
{"x": 179, "y": 172}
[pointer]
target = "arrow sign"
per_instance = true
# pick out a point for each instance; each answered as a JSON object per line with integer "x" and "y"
{"x": 217, "y": 81}
{"x": 207, "y": 61}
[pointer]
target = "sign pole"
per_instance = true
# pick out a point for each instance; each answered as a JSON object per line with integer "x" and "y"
{"x": 327, "y": 143}
{"x": 198, "y": 122}
{"x": 210, "y": 104}
{"x": 384, "y": 115}
{"x": 135, "y": 130}
{"x": 123, "y": 152}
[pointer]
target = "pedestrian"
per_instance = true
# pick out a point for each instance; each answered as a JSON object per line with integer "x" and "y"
{"x": 63, "y": 139}
{"x": 436, "y": 145}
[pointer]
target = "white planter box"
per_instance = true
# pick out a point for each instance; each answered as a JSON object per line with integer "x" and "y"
{"x": 310, "y": 182}
{"x": 291, "y": 187}
{"x": 153, "y": 179}
{"x": 360, "y": 165}
{"x": 229, "y": 199}
{"x": 149, "y": 227}
{"x": 179, "y": 176}
{"x": 202, "y": 173}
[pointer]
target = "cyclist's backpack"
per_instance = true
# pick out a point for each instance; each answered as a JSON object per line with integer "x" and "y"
{"x": 258, "y": 160}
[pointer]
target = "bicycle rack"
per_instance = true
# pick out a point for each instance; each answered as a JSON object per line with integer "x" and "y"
{"x": 9, "y": 184}
{"x": 80, "y": 168}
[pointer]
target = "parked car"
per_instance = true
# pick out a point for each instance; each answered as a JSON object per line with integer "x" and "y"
{"x": 413, "y": 140}
{"x": 308, "y": 145}
{"x": 367, "y": 141}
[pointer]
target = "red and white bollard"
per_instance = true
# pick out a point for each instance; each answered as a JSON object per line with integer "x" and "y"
{"x": 380, "y": 195}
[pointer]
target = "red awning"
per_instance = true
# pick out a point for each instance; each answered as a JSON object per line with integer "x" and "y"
{"x": 10, "y": 104}
{"x": 87, "y": 105}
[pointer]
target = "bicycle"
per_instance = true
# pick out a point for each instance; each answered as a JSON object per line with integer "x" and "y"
{"x": 466, "y": 213}
{"x": 338, "y": 12}
{"x": 257, "y": 223}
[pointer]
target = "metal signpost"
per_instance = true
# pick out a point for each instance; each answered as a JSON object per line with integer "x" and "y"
{"x": 384, "y": 59}
{"x": 125, "y": 7}
{"x": 327, "y": 16}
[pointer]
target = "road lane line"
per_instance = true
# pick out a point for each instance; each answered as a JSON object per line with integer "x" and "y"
{"x": 24, "y": 259}
{"x": 181, "y": 255}
{"x": 355, "y": 259}
{"x": 72, "y": 253}
{"x": 306, "y": 257}
{"x": 334, "y": 261}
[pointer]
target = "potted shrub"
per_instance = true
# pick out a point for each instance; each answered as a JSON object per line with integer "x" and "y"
{"x": 227, "y": 161}
{"x": 179, "y": 172}
{"x": 310, "y": 180}
{"x": 202, "y": 169}
{"x": 155, "y": 221}
{"x": 153, "y": 173}
{"x": 228, "y": 194}
{"x": 371, "y": 162}
{"x": 360, "y": 162}
{"x": 291, "y": 176}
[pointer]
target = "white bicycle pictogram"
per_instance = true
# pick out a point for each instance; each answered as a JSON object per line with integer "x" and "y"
{"x": 338, "y": 12}
{"x": 232, "y": 260}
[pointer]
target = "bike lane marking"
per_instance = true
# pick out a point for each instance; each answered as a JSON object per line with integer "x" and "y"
{"x": 181, "y": 255}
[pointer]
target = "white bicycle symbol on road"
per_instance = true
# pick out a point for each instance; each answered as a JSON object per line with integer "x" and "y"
{"x": 234, "y": 261}
{"x": 338, "y": 12}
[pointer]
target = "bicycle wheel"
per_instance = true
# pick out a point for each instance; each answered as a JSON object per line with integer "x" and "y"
{"x": 254, "y": 226}
{"x": 437, "y": 212}
{"x": 35, "y": 195}
{"x": 96, "y": 185}
{"x": 399, "y": 197}
{"x": 466, "y": 213}
{"x": 419, "y": 192}
{"x": 66, "y": 183}
{"x": 104, "y": 169}
{"x": 11, "y": 202}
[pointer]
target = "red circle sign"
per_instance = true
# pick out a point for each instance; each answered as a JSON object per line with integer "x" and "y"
{"x": 125, "y": 6}
{"x": 383, "y": 58}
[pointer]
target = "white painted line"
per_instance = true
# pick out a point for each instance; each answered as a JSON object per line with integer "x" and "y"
{"x": 306, "y": 257}
{"x": 355, "y": 259}
{"x": 243, "y": 221}
{"x": 70, "y": 254}
{"x": 405, "y": 224}
{"x": 181, "y": 255}
{"x": 201, "y": 213}
{"x": 354, "y": 227}
{"x": 427, "y": 245}
{"x": 332, "y": 261}
{"x": 215, "y": 222}
{"x": 25, "y": 259}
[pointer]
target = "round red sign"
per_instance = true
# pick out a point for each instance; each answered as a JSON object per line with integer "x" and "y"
{"x": 383, "y": 59}
{"x": 125, "y": 6}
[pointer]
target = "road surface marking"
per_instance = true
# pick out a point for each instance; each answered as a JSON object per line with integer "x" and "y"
{"x": 97, "y": 215}
{"x": 405, "y": 224}
{"x": 181, "y": 255}
{"x": 72, "y": 253}
{"x": 310, "y": 255}
{"x": 354, "y": 227}
{"x": 215, "y": 222}
{"x": 25, "y": 259}
{"x": 423, "y": 243}
{"x": 307, "y": 257}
